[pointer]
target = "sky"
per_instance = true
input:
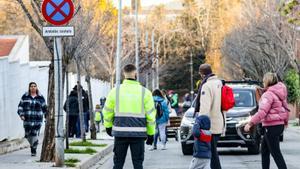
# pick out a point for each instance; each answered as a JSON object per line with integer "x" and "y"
{"x": 144, "y": 2}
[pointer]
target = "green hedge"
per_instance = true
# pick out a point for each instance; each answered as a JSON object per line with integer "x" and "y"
{"x": 292, "y": 80}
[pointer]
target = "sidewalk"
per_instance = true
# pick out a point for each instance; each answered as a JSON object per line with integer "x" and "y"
{"x": 292, "y": 126}
{"x": 22, "y": 158}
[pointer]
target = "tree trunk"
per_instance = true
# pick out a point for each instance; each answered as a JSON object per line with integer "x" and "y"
{"x": 92, "y": 117}
{"x": 67, "y": 109}
{"x": 79, "y": 91}
{"x": 112, "y": 79}
{"x": 48, "y": 148}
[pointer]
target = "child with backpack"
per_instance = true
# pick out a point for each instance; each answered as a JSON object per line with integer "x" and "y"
{"x": 98, "y": 118}
{"x": 162, "y": 117}
{"x": 202, "y": 146}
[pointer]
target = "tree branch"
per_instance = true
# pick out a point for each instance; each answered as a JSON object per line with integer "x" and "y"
{"x": 33, "y": 24}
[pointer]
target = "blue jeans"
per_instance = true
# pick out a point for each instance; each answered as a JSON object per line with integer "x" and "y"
{"x": 161, "y": 133}
{"x": 86, "y": 118}
{"x": 85, "y": 122}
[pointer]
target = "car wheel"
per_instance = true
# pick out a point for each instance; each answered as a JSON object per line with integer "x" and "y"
{"x": 187, "y": 149}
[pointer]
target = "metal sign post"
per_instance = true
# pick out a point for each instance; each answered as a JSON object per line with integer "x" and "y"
{"x": 137, "y": 61}
{"x": 59, "y": 132}
{"x": 58, "y": 12}
{"x": 119, "y": 46}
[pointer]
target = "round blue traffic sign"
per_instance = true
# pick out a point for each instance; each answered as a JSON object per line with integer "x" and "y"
{"x": 58, "y": 12}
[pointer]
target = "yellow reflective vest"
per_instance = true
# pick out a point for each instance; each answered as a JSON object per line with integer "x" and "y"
{"x": 129, "y": 110}
{"x": 98, "y": 116}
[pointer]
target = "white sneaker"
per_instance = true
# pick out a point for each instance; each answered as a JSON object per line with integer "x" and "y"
{"x": 152, "y": 148}
{"x": 164, "y": 147}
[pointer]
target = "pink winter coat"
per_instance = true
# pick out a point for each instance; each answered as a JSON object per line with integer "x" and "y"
{"x": 273, "y": 109}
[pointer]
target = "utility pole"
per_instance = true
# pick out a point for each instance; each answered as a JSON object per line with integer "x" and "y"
{"x": 119, "y": 45}
{"x": 59, "y": 133}
{"x": 192, "y": 77}
{"x": 80, "y": 104}
{"x": 157, "y": 65}
{"x": 147, "y": 59}
{"x": 152, "y": 58}
{"x": 137, "y": 42}
{"x": 67, "y": 108}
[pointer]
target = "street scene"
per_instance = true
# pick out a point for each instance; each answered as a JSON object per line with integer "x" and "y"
{"x": 159, "y": 84}
{"x": 233, "y": 158}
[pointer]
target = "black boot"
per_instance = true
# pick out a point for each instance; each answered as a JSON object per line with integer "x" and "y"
{"x": 33, "y": 151}
{"x": 33, "y": 148}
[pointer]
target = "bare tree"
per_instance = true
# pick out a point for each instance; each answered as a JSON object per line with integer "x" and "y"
{"x": 105, "y": 56}
{"x": 72, "y": 47}
{"x": 265, "y": 43}
{"x": 78, "y": 48}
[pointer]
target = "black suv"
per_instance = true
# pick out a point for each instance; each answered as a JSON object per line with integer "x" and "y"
{"x": 245, "y": 106}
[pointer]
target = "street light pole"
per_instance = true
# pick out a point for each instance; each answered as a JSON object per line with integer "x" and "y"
{"x": 192, "y": 82}
{"x": 119, "y": 45}
{"x": 152, "y": 58}
{"x": 136, "y": 42}
{"x": 147, "y": 59}
{"x": 157, "y": 65}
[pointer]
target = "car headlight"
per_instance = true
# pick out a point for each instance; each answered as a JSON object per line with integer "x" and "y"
{"x": 187, "y": 121}
{"x": 242, "y": 121}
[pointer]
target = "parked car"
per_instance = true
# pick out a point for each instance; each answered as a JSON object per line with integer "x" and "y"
{"x": 245, "y": 106}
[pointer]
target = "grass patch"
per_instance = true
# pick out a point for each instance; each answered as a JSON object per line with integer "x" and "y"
{"x": 86, "y": 143}
{"x": 71, "y": 162}
{"x": 78, "y": 151}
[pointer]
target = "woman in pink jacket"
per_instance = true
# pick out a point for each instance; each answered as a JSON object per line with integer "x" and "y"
{"x": 273, "y": 113}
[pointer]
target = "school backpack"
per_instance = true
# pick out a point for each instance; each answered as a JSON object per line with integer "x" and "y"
{"x": 159, "y": 109}
{"x": 227, "y": 98}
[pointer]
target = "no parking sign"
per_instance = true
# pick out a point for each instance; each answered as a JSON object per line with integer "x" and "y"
{"x": 58, "y": 12}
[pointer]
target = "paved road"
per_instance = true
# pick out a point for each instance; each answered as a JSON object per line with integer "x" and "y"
{"x": 231, "y": 158}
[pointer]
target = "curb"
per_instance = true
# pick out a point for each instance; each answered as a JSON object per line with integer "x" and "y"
{"x": 96, "y": 158}
{"x": 14, "y": 145}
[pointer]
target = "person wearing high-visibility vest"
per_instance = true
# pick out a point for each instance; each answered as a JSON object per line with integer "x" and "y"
{"x": 129, "y": 116}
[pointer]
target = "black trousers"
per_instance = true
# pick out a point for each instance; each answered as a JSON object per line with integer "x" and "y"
{"x": 270, "y": 145}
{"x": 215, "y": 161}
{"x": 137, "y": 148}
{"x": 72, "y": 125}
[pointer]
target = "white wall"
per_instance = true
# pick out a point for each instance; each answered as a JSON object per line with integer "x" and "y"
{"x": 15, "y": 76}
{"x": 99, "y": 88}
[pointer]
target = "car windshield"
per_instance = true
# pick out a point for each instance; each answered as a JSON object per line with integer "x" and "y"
{"x": 243, "y": 98}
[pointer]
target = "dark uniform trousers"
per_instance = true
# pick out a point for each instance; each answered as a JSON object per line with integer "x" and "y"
{"x": 137, "y": 148}
{"x": 214, "y": 160}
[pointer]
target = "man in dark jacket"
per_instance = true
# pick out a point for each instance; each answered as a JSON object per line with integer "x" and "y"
{"x": 86, "y": 113}
{"x": 86, "y": 116}
{"x": 73, "y": 112}
{"x": 202, "y": 146}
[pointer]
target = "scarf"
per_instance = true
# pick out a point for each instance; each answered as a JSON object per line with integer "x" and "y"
{"x": 197, "y": 107}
